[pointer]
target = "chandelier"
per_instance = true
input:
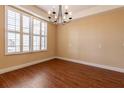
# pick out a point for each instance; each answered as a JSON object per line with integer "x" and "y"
{"x": 61, "y": 17}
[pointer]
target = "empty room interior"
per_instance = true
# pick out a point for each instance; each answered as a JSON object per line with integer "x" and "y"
{"x": 61, "y": 46}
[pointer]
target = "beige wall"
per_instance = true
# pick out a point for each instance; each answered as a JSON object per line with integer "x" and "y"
{"x": 7, "y": 61}
{"x": 97, "y": 39}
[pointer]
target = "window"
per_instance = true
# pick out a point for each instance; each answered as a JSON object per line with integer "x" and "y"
{"x": 24, "y": 32}
{"x": 36, "y": 34}
{"x": 44, "y": 36}
{"x": 13, "y": 32}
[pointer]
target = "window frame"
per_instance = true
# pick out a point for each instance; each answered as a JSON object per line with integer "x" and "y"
{"x": 21, "y": 32}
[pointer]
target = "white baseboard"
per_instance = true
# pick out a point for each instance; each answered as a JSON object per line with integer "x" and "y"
{"x": 23, "y": 65}
{"x": 93, "y": 64}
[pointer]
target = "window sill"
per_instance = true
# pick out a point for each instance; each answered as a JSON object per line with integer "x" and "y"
{"x": 22, "y": 53}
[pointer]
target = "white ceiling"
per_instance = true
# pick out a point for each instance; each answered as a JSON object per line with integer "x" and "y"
{"x": 73, "y": 8}
{"x": 81, "y": 10}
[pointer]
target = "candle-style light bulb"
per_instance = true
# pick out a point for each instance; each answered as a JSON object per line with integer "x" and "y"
{"x": 64, "y": 17}
{"x": 49, "y": 12}
{"x": 55, "y": 17}
{"x": 66, "y": 7}
{"x": 70, "y": 13}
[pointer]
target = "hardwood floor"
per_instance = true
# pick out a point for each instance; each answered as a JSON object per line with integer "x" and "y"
{"x": 61, "y": 74}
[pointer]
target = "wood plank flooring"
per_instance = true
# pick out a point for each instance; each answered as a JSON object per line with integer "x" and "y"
{"x": 61, "y": 74}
